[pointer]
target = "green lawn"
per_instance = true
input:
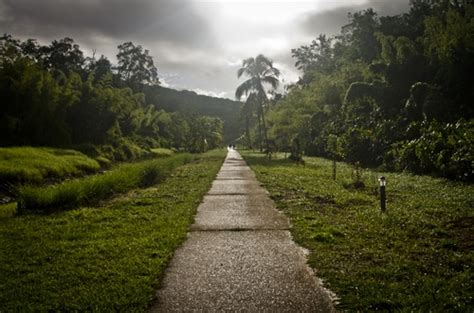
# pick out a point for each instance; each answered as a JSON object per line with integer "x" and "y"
{"x": 105, "y": 258}
{"x": 418, "y": 256}
{"x": 34, "y": 165}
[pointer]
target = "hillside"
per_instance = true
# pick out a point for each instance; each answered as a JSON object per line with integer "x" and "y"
{"x": 189, "y": 102}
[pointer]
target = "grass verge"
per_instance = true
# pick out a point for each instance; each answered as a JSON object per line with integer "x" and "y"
{"x": 34, "y": 165}
{"x": 91, "y": 189}
{"x": 418, "y": 256}
{"x": 108, "y": 258}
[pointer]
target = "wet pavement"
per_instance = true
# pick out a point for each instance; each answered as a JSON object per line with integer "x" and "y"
{"x": 239, "y": 255}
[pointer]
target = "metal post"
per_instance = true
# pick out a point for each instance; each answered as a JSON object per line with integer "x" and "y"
{"x": 383, "y": 198}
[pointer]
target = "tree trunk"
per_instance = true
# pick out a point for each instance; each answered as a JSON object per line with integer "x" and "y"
{"x": 247, "y": 131}
{"x": 259, "y": 117}
{"x": 265, "y": 132}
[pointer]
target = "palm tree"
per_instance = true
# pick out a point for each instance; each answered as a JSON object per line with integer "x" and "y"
{"x": 261, "y": 72}
{"x": 247, "y": 114}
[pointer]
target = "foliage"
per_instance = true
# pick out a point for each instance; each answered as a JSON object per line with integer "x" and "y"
{"x": 90, "y": 190}
{"x": 416, "y": 257}
{"x": 110, "y": 257}
{"x": 441, "y": 148}
{"x": 391, "y": 89}
{"x": 53, "y": 96}
{"x": 135, "y": 65}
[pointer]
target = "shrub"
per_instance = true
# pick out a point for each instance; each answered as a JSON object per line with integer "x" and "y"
{"x": 443, "y": 149}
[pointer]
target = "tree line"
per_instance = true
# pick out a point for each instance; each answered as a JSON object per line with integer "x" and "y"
{"x": 391, "y": 91}
{"x": 53, "y": 95}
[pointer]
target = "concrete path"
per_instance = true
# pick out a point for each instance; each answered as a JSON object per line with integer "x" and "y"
{"x": 239, "y": 255}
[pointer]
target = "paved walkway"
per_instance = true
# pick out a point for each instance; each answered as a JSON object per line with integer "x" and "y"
{"x": 239, "y": 255}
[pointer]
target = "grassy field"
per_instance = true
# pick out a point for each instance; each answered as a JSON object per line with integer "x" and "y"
{"x": 106, "y": 258}
{"x": 34, "y": 165}
{"x": 418, "y": 256}
{"x": 89, "y": 190}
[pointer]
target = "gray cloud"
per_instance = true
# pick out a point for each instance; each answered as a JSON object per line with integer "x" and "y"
{"x": 141, "y": 20}
{"x": 330, "y": 22}
{"x": 195, "y": 46}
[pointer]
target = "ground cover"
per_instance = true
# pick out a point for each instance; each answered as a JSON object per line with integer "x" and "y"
{"x": 417, "y": 256}
{"x": 91, "y": 189}
{"x": 34, "y": 165}
{"x": 108, "y": 257}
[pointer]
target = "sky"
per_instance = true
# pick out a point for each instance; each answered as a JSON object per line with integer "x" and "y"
{"x": 196, "y": 45}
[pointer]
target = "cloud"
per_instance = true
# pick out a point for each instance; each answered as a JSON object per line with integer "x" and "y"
{"x": 199, "y": 91}
{"x": 330, "y": 21}
{"x": 196, "y": 44}
{"x": 140, "y": 20}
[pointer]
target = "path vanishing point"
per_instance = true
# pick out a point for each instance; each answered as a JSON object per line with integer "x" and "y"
{"x": 239, "y": 255}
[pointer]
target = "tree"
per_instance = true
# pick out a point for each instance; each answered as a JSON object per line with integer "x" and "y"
{"x": 63, "y": 55}
{"x": 247, "y": 113}
{"x": 318, "y": 56}
{"x": 101, "y": 68}
{"x": 136, "y": 66}
{"x": 261, "y": 72}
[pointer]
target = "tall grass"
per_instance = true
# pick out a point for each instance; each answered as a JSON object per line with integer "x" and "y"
{"x": 33, "y": 165}
{"x": 92, "y": 189}
{"x": 161, "y": 152}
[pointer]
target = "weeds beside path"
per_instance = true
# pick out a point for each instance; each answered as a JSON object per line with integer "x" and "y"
{"x": 106, "y": 258}
{"x": 418, "y": 256}
{"x": 92, "y": 189}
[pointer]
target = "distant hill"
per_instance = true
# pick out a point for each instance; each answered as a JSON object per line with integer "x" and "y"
{"x": 189, "y": 102}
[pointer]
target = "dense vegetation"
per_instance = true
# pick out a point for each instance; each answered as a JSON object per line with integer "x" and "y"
{"x": 417, "y": 257}
{"x": 55, "y": 96}
{"x": 107, "y": 258}
{"x": 172, "y": 100}
{"x": 390, "y": 90}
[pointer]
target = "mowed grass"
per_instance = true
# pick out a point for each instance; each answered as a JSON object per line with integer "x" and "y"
{"x": 89, "y": 190}
{"x": 34, "y": 165}
{"x": 107, "y": 258}
{"x": 417, "y": 257}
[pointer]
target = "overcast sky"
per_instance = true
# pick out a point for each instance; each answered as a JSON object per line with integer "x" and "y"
{"x": 196, "y": 44}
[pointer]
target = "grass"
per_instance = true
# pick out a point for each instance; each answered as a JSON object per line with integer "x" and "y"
{"x": 34, "y": 165}
{"x": 108, "y": 258}
{"x": 91, "y": 189}
{"x": 161, "y": 152}
{"x": 418, "y": 256}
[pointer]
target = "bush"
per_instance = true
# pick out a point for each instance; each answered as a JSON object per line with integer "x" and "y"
{"x": 357, "y": 145}
{"x": 443, "y": 149}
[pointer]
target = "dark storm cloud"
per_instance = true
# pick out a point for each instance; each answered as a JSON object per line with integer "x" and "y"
{"x": 142, "y": 20}
{"x": 330, "y": 22}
